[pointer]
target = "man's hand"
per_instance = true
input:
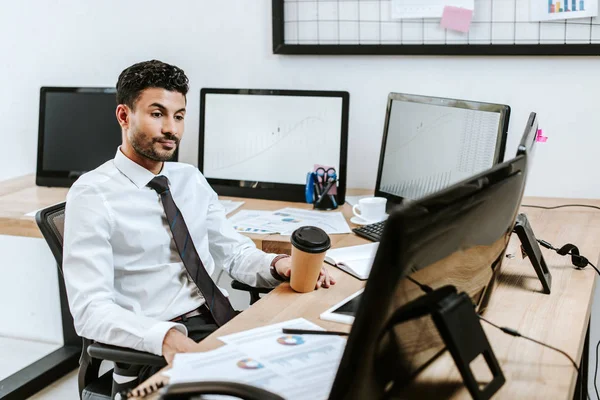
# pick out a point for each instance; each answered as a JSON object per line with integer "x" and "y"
{"x": 176, "y": 342}
{"x": 284, "y": 268}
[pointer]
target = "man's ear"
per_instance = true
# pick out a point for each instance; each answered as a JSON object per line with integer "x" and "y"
{"x": 123, "y": 115}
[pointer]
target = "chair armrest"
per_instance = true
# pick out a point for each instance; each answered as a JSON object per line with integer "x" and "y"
{"x": 242, "y": 286}
{"x": 236, "y": 389}
{"x": 124, "y": 355}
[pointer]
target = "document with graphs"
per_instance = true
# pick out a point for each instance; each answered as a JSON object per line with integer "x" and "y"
{"x": 293, "y": 366}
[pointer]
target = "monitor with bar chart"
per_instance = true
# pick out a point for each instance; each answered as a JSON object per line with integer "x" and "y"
{"x": 430, "y": 143}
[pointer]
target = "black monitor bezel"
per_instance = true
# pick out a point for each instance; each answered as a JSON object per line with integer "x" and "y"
{"x": 50, "y": 177}
{"x": 274, "y": 190}
{"x": 503, "y": 109}
{"x": 395, "y": 244}
{"x": 62, "y": 178}
{"x": 530, "y": 134}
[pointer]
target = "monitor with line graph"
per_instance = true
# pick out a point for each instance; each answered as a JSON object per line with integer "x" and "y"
{"x": 430, "y": 143}
{"x": 262, "y": 143}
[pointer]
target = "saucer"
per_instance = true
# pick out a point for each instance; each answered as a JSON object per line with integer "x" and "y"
{"x": 359, "y": 221}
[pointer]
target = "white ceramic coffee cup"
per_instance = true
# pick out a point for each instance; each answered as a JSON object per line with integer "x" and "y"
{"x": 370, "y": 208}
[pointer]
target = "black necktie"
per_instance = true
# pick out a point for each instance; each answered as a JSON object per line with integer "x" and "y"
{"x": 217, "y": 303}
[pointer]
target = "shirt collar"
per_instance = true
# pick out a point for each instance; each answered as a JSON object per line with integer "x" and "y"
{"x": 137, "y": 174}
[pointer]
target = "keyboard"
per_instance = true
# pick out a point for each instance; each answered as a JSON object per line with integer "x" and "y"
{"x": 372, "y": 232}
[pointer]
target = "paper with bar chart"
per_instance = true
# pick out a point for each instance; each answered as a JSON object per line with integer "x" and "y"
{"x": 264, "y": 138}
{"x": 552, "y": 10}
{"x": 431, "y": 147}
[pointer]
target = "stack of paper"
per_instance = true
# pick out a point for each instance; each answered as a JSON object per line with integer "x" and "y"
{"x": 287, "y": 220}
{"x": 239, "y": 221}
{"x": 293, "y": 366}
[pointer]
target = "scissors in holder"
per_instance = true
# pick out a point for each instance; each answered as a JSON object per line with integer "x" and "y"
{"x": 323, "y": 175}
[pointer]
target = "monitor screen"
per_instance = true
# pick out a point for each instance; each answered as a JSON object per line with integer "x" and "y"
{"x": 78, "y": 131}
{"x": 262, "y": 143}
{"x": 430, "y": 143}
{"x": 456, "y": 237}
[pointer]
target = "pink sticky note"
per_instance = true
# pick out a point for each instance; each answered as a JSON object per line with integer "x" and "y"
{"x": 456, "y": 18}
{"x": 540, "y": 136}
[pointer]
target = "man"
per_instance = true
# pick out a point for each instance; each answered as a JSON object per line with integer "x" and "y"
{"x": 131, "y": 222}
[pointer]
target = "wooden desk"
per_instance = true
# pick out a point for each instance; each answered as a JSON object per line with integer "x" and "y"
{"x": 532, "y": 372}
{"x": 559, "y": 319}
{"x": 20, "y": 196}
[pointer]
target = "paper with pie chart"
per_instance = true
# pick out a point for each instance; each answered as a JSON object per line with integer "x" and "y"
{"x": 226, "y": 363}
{"x": 310, "y": 359}
{"x": 296, "y": 367}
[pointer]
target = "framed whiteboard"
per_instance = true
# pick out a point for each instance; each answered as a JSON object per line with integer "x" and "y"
{"x": 499, "y": 27}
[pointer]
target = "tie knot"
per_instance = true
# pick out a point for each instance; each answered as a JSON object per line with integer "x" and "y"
{"x": 159, "y": 183}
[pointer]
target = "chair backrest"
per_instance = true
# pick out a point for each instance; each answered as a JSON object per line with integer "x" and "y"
{"x": 51, "y": 221}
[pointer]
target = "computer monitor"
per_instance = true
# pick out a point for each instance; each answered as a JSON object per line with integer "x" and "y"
{"x": 457, "y": 236}
{"x": 430, "y": 143}
{"x": 262, "y": 143}
{"x": 529, "y": 137}
{"x": 78, "y": 131}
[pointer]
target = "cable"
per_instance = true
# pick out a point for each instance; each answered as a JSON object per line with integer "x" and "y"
{"x": 593, "y": 266}
{"x": 513, "y": 332}
{"x": 561, "y": 206}
{"x": 577, "y": 259}
{"x": 579, "y": 262}
{"x": 422, "y": 286}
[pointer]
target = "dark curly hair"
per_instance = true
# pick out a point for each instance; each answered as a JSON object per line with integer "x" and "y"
{"x": 149, "y": 74}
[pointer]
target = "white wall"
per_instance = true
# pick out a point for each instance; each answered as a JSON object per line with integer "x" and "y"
{"x": 227, "y": 43}
{"x": 29, "y": 299}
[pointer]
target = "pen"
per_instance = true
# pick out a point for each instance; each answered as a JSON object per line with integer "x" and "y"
{"x": 292, "y": 331}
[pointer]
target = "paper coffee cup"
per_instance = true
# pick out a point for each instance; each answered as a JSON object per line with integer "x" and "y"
{"x": 309, "y": 245}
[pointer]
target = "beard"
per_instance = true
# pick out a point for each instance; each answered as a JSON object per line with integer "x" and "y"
{"x": 150, "y": 148}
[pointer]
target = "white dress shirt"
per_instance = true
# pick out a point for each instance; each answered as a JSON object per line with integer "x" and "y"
{"x": 123, "y": 274}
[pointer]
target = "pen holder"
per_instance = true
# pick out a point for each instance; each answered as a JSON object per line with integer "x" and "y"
{"x": 327, "y": 203}
{"x": 318, "y": 194}
{"x": 324, "y": 201}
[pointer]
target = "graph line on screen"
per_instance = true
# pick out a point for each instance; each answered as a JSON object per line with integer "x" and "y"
{"x": 269, "y": 138}
{"x": 425, "y": 127}
{"x": 255, "y": 145}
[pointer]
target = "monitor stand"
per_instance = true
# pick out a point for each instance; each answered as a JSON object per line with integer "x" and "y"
{"x": 460, "y": 328}
{"x": 531, "y": 249}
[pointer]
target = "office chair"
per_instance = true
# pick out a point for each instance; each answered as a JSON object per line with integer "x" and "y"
{"x": 127, "y": 361}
